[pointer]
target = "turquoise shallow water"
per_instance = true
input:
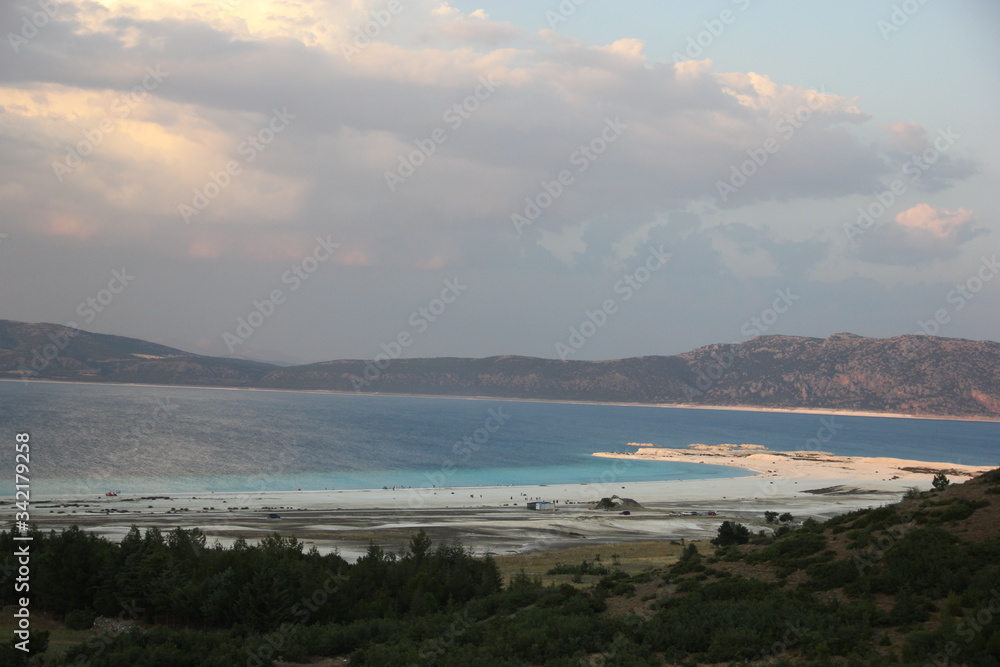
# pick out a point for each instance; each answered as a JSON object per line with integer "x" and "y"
{"x": 93, "y": 438}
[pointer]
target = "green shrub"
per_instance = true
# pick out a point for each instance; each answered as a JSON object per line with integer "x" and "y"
{"x": 962, "y": 509}
{"x": 731, "y": 532}
{"x": 834, "y": 574}
{"x": 940, "y": 482}
{"x": 797, "y": 545}
{"x": 990, "y": 477}
{"x": 585, "y": 567}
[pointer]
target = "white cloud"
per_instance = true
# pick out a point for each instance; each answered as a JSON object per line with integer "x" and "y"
{"x": 687, "y": 125}
{"x": 566, "y": 245}
{"x": 920, "y": 234}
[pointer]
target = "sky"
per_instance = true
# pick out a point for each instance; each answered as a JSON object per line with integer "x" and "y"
{"x": 303, "y": 180}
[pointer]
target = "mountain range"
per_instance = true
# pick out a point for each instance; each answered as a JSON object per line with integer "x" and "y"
{"x": 911, "y": 374}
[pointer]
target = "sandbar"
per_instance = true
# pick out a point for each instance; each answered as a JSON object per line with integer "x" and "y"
{"x": 495, "y": 519}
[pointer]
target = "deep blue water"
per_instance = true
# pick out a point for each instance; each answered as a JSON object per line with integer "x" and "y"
{"x": 88, "y": 437}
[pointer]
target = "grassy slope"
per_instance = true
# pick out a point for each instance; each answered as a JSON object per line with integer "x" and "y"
{"x": 925, "y": 573}
{"x": 914, "y": 583}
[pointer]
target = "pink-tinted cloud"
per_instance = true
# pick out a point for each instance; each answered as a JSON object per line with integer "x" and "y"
{"x": 941, "y": 223}
{"x": 921, "y": 234}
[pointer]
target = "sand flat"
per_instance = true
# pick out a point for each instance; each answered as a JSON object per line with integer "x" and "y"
{"x": 495, "y": 518}
{"x": 799, "y": 464}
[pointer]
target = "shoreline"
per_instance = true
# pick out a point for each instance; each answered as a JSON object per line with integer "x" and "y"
{"x": 495, "y": 519}
{"x": 685, "y": 406}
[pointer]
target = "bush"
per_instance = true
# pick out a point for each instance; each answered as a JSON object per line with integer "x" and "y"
{"x": 908, "y": 608}
{"x": 940, "y": 482}
{"x": 962, "y": 509}
{"x": 797, "y": 545}
{"x": 731, "y": 532}
{"x": 585, "y": 567}
{"x": 835, "y": 574}
{"x": 990, "y": 477}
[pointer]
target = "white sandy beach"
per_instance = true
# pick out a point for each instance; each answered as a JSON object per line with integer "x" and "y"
{"x": 495, "y": 519}
{"x": 801, "y": 464}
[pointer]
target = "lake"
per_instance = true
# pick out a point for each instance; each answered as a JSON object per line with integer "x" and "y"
{"x": 88, "y": 438}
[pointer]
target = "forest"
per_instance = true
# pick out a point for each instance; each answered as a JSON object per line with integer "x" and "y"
{"x": 913, "y": 583}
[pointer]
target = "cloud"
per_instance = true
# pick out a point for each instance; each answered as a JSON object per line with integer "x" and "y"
{"x": 687, "y": 124}
{"x": 565, "y": 245}
{"x": 473, "y": 28}
{"x": 920, "y": 234}
{"x": 928, "y": 160}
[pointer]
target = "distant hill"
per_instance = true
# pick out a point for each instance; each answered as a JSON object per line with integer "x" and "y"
{"x": 53, "y": 352}
{"x": 919, "y": 375}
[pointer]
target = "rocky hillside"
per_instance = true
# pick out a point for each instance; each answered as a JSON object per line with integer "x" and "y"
{"x": 906, "y": 374}
{"x": 52, "y": 352}
{"x": 922, "y": 375}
